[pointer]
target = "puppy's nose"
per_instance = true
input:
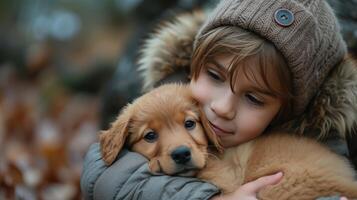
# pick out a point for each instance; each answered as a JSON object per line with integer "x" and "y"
{"x": 181, "y": 155}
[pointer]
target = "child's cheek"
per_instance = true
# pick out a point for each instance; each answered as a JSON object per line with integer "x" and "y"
{"x": 198, "y": 92}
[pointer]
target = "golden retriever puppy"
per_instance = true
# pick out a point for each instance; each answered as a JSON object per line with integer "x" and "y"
{"x": 166, "y": 126}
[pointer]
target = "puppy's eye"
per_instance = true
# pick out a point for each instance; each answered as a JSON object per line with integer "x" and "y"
{"x": 190, "y": 124}
{"x": 151, "y": 136}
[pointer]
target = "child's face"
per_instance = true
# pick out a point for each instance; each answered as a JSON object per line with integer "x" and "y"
{"x": 239, "y": 116}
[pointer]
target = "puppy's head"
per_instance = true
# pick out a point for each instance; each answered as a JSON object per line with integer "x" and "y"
{"x": 164, "y": 125}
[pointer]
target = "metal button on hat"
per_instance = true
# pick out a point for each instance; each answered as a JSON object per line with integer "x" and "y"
{"x": 284, "y": 17}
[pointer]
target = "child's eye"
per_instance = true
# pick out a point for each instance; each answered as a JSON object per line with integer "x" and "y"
{"x": 253, "y": 99}
{"x": 214, "y": 75}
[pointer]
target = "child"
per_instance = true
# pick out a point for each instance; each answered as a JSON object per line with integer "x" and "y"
{"x": 256, "y": 65}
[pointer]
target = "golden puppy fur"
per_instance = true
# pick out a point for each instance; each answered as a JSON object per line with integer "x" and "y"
{"x": 167, "y": 121}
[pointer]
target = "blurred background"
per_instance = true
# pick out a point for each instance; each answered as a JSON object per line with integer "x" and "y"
{"x": 66, "y": 69}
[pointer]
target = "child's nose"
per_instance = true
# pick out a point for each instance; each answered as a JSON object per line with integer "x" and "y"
{"x": 224, "y": 106}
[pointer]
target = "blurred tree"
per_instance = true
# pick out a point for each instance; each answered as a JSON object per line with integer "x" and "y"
{"x": 347, "y": 15}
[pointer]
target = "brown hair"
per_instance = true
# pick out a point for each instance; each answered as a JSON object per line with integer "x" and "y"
{"x": 247, "y": 48}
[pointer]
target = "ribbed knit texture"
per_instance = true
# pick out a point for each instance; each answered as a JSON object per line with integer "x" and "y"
{"x": 312, "y": 45}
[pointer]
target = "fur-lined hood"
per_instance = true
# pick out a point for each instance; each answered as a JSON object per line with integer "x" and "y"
{"x": 333, "y": 110}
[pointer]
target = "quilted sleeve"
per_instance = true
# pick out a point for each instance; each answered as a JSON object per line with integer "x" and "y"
{"x": 129, "y": 178}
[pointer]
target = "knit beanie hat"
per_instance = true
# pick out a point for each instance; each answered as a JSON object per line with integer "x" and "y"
{"x": 306, "y": 32}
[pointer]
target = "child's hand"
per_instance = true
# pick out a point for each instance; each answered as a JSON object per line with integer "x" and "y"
{"x": 332, "y": 198}
{"x": 249, "y": 190}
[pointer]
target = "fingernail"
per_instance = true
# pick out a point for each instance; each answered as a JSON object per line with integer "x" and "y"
{"x": 279, "y": 174}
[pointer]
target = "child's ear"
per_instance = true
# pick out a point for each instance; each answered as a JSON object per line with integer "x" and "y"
{"x": 113, "y": 140}
{"x": 209, "y": 132}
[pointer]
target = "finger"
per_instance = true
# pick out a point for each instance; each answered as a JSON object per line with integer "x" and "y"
{"x": 254, "y": 186}
{"x": 343, "y": 198}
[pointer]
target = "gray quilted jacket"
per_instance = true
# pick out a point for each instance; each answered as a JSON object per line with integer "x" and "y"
{"x": 129, "y": 178}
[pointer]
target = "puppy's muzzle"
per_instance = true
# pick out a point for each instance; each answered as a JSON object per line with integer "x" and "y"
{"x": 181, "y": 155}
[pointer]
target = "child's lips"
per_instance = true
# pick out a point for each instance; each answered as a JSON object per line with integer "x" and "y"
{"x": 219, "y": 131}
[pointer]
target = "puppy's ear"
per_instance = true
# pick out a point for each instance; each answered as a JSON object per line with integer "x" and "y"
{"x": 209, "y": 132}
{"x": 113, "y": 140}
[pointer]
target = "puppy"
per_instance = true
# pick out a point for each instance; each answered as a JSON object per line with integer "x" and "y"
{"x": 167, "y": 126}
{"x": 163, "y": 125}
